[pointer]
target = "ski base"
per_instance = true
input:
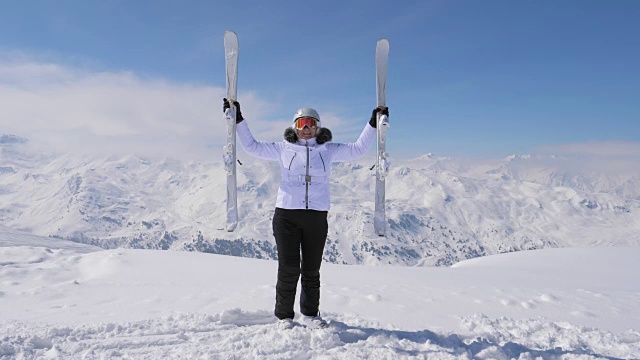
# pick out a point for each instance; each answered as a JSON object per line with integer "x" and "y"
{"x": 382, "y": 157}
{"x": 229, "y": 150}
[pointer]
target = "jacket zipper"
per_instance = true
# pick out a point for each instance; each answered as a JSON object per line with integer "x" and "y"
{"x": 306, "y": 179}
{"x": 323, "y": 167}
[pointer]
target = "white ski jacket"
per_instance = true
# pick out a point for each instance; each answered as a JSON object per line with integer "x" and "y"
{"x": 305, "y": 167}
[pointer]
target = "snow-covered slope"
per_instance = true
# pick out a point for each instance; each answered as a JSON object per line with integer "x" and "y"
{"x": 440, "y": 210}
{"x": 579, "y": 303}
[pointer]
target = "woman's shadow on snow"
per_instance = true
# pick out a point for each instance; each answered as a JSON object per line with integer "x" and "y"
{"x": 453, "y": 343}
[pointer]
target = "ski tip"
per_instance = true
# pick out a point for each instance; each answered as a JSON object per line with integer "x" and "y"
{"x": 231, "y": 43}
{"x": 230, "y": 37}
{"x": 383, "y": 41}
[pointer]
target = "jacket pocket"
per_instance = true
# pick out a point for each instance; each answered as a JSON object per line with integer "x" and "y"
{"x": 291, "y": 162}
{"x": 324, "y": 167}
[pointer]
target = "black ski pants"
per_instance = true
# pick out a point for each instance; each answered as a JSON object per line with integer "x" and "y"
{"x": 299, "y": 232}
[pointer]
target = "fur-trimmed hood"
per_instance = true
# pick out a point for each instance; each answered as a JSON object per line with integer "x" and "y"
{"x": 323, "y": 135}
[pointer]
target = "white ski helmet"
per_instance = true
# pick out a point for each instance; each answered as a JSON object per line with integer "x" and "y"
{"x": 305, "y": 112}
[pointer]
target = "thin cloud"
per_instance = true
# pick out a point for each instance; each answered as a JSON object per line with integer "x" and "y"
{"x": 597, "y": 148}
{"x": 620, "y": 157}
{"x": 75, "y": 110}
{"x": 97, "y": 112}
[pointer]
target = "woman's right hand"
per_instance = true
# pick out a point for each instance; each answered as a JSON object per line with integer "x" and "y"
{"x": 226, "y": 105}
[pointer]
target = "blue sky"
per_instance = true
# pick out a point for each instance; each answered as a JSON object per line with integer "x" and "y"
{"x": 466, "y": 78}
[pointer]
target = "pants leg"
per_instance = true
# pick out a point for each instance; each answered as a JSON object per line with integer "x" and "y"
{"x": 296, "y": 230}
{"x": 314, "y": 237}
{"x": 288, "y": 237}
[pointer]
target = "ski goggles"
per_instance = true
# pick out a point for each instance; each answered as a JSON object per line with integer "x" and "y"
{"x": 309, "y": 122}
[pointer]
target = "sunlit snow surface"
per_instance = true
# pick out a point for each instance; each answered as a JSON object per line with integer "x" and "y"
{"x": 64, "y": 300}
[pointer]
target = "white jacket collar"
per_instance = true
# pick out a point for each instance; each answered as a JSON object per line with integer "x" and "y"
{"x": 302, "y": 145}
{"x": 310, "y": 142}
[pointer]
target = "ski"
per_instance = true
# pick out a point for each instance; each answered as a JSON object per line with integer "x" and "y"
{"x": 382, "y": 158}
{"x": 229, "y": 150}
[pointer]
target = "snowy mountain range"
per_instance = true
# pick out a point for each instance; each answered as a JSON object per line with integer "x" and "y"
{"x": 439, "y": 210}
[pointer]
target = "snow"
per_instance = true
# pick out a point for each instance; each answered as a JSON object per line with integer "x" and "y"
{"x": 65, "y": 300}
{"x": 577, "y": 298}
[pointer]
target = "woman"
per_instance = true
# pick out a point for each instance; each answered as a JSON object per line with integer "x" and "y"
{"x": 300, "y": 219}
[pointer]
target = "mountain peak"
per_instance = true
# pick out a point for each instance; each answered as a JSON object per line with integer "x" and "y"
{"x": 517, "y": 157}
{"x": 428, "y": 156}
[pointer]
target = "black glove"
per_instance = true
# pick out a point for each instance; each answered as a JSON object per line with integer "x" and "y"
{"x": 225, "y": 106}
{"x": 374, "y": 118}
